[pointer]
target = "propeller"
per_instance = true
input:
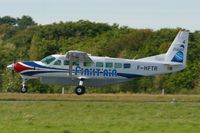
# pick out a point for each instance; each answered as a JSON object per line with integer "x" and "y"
{"x": 13, "y": 71}
{"x": 14, "y": 60}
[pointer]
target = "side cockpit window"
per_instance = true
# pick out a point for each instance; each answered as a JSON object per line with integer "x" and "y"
{"x": 48, "y": 59}
{"x": 57, "y": 62}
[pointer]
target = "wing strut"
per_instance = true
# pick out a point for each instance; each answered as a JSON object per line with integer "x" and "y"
{"x": 70, "y": 66}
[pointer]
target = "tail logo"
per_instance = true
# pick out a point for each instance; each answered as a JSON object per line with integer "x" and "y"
{"x": 179, "y": 56}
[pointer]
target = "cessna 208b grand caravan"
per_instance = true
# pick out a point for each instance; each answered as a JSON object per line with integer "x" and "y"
{"x": 82, "y": 69}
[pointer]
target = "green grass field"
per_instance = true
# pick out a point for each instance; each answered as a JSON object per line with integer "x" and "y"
{"x": 96, "y": 113}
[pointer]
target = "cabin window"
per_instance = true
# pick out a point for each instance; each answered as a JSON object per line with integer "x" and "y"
{"x": 75, "y": 64}
{"x": 127, "y": 65}
{"x": 66, "y": 62}
{"x": 58, "y": 62}
{"x": 118, "y": 65}
{"x": 48, "y": 59}
{"x": 99, "y": 64}
{"x": 87, "y": 64}
{"x": 109, "y": 64}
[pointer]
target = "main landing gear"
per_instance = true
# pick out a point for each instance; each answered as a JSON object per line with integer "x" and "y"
{"x": 24, "y": 88}
{"x": 80, "y": 89}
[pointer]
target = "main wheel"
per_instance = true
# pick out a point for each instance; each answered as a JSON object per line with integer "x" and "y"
{"x": 24, "y": 89}
{"x": 80, "y": 90}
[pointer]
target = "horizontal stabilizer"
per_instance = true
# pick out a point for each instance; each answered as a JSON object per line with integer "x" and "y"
{"x": 172, "y": 63}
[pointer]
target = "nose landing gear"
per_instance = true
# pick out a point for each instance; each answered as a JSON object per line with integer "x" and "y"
{"x": 24, "y": 88}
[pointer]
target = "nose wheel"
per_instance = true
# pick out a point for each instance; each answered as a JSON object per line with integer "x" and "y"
{"x": 24, "y": 89}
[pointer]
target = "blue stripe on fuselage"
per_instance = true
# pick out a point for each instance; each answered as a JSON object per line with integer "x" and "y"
{"x": 128, "y": 75}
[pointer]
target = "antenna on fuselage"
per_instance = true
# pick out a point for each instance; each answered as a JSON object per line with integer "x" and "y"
{"x": 135, "y": 57}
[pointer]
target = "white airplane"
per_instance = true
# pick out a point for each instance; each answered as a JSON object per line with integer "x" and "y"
{"x": 82, "y": 69}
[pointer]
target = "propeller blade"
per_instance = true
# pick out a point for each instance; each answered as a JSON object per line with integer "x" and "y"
{"x": 13, "y": 71}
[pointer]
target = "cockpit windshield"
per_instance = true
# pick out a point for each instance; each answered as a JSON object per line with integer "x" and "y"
{"x": 48, "y": 59}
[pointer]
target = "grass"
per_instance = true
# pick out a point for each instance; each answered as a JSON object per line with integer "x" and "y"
{"x": 99, "y": 97}
{"x": 98, "y": 113}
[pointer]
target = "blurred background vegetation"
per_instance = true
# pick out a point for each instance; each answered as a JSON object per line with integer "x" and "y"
{"x": 24, "y": 39}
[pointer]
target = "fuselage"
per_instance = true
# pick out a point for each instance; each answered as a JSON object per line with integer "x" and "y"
{"x": 101, "y": 71}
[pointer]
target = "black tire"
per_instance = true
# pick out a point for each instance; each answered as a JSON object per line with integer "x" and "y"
{"x": 79, "y": 90}
{"x": 24, "y": 89}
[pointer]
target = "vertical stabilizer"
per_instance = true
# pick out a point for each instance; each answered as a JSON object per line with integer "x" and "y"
{"x": 178, "y": 49}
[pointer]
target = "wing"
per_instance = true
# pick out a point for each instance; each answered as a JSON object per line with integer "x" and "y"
{"x": 78, "y": 55}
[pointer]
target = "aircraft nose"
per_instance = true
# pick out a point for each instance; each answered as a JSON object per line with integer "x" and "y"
{"x": 18, "y": 67}
{"x": 10, "y": 67}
